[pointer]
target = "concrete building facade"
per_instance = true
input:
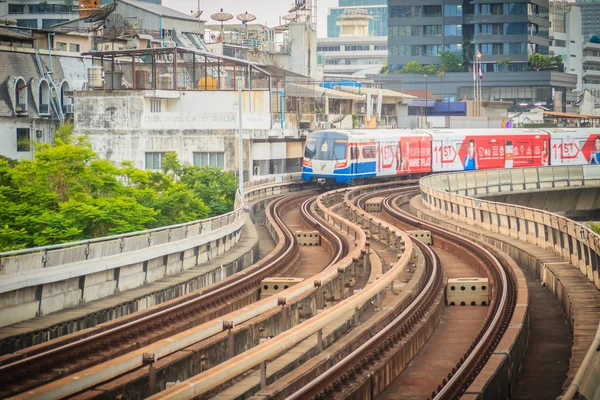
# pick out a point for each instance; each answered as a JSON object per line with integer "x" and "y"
{"x": 355, "y": 51}
{"x": 590, "y": 12}
{"x": 523, "y": 89}
{"x": 500, "y": 30}
{"x": 376, "y": 9}
{"x": 185, "y": 101}
{"x": 43, "y": 14}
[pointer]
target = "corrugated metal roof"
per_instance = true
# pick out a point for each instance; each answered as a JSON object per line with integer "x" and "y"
{"x": 158, "y": 9}
{"x": 570, "y": 115}
{"x": 298, "y": 90}
{"x": 11, "y": 34}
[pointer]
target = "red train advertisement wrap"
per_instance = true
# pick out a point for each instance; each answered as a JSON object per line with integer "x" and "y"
{"x": 471, "y": 152}
{"x": 568, "y": 148}
{"x": 408, "y": 155}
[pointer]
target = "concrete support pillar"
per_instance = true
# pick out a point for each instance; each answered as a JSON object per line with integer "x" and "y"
{"x": 263, "y": 374}
{"x": 320, "y": 340}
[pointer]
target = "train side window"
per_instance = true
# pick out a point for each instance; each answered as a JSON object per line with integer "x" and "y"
{"x": 369, "y": 152}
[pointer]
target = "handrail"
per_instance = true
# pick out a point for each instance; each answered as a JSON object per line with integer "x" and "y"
{"x": 444, "y": 192}
{"x": 236, "y": 213}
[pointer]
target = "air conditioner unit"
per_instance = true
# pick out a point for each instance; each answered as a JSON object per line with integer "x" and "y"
{"x": 69, "y": 108}
{"x": 324, "y": 125}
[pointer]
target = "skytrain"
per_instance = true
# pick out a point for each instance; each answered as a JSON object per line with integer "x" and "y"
{"x": 342, "y": 157}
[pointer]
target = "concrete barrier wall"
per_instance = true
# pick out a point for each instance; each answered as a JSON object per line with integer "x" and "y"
{"x": 48, "y": 279}
{"x": 455, "y": 196}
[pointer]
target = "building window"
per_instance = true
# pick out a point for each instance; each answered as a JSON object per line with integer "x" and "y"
{"x": 28, "y": 23}
{"x": 416, "y": 30}
{"x": 517, "y": 48}
{"x": 432, "y": 11}
{"x": 455, "y": 48}
{"x": 74, "y": 47}
{"x": 431, "y": 50}
{"x": 60, "y": 46}
{"x": 433, "y": 30}
{"x": 155, "y": 105}
{"x": 154, "y": 160}
{"x": 401, "y": 51}
{"x": 380, "y": 47}
{"x": 357, "y": 48}
{"x": 47, "y": 23}
{"x": 210, "y": 159}
{"x": 453, "y": 11}
{"x": 452, "y": 30}
{"x": 328, "y": 48}
{"x": 401, "y": 11}
{"x": 23, "y": 139}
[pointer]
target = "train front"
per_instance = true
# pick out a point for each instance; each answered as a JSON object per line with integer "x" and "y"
{"x": 326, "y": 159}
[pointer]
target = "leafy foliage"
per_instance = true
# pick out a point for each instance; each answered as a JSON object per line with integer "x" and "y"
{"x": 540, "y": 62}
{"x": 449, "y": 62}
{"x": 65, "y": 193}
{"x": 595, "y": 227}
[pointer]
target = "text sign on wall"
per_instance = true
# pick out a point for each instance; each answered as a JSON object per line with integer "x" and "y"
{"x": 204, "y": 121}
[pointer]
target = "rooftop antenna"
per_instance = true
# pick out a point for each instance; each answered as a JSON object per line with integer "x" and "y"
{"x": 222, "y": 17}
{"x": 245, "y": 18}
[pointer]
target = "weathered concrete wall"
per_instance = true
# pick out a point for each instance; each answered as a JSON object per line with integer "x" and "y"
{"x": 572, "y": 242}
{"x": 63, "y": 276}
{"x": 558, "y": 200}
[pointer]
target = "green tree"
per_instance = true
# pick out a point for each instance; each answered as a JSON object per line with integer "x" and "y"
{"x": 450, "y": 62}
{"x": 504, "y": 63}
{"x": 66, "y": 193}
{"x": 431, "y": 69}
{"x": 540, "y": 62}
{"x": 384, "y": 69}
{"x": 412, "y": 67}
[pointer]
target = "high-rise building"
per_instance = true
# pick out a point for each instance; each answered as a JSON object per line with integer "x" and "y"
{"x": 590, "y": 15}
{"x": 501, "y": 31}
{"x": 377, "y": 9}
{"x": 43, "y": 14}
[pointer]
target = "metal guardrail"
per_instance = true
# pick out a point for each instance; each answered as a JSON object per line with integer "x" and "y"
{"x": 450, "y": 194}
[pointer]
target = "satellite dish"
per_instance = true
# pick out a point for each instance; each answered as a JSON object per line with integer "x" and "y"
{"x": 245, "y": 17}
{"x": 221, "y": 17}
{"x": 114, "y": 26}
{"x": 298, "y": 5}
{"x": 291, "y": 17}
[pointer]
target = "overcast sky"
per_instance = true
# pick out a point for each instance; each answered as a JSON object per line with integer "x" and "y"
{"x": 266, "y": 11}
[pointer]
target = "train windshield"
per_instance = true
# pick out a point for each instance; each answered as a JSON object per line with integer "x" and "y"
{"x": 326, "y": 146}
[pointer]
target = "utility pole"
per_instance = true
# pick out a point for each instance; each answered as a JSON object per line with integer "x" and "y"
{"x": 426, "y": 104}
{"x": 241, "y": 146}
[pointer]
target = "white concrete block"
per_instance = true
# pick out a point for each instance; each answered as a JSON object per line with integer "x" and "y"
{"x": 155, "y": 274}
{"x": 57, "y": 288}
{"x": 104, "y": 249}
{"x": 160, "y": 238}
{"x": 156, "y": 262}
{"x": 174, "y": 267}
{"x": 100, "y": 290}
{"x": 99, "y": 277}
{"x": 17, "y": 297}
{"x": 133, "y": 269}
{"x": 21, "y": 312}
{"x": 22, "y": 263}
{"x": 131, "y": 281}
{"x": 65, "y": 256}
{"x": 60, "y": 301}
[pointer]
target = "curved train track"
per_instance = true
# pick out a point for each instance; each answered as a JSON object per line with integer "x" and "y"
{"x": 345, "y": 372}
{"x": 46, "y": 362}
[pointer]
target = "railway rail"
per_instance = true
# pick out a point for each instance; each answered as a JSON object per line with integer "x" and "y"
{"x": 341, "y": 379}
{"x": 502, "y": 305}
{"x": 44, "y": 363}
